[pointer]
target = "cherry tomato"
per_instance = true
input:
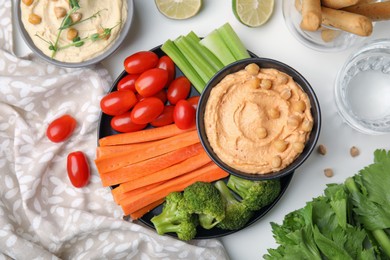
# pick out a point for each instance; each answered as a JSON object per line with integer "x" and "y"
{"x": 140, "y": 61}
{"x": 151, "y": 82}
{"x": 194, "y": 101}
{"x": 78, "y": 169}
{"x": 118, "y": 102}
{"x": 61, "y": 128}
{"x": 179, "y": 89}
{"x": 127, "y": 82}
{"x": 147, "y": 110}
{"x": 165, "y": 118}
{"x": 184, "y": 114}
{"x": 123, "y": 123}
{"x": 166, "y": 63}
{"x": 162, "y": 95}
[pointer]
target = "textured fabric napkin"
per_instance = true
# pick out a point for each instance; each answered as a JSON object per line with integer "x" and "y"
{"x": 42, "y": 216}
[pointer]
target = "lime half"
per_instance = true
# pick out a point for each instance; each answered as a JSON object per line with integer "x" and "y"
{"x": 179, "y": 9}
{"x": 253, "y": 13}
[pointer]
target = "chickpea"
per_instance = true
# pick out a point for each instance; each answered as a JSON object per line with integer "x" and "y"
{"x": 252, "y": 69}
{"x": 76, "y": 17}
{"x": 280, "y": 145}
{"x": 328, "y": 172}
{"x": 59, "y": 12}
{"x": 298, "y": 147}
{"x": 322, "y": 149}
{"x": 34, "y": 19}
{"x": 282, "y": 79}
{"x": 293, "y": 121}
{"x": 266, "y": 84}
{"x": 28, "y": 2}
{"x": 273, "y": 113}
{"x": 298, "y": 106}
{"x": 354, "y": 151}
{"x": 101, "y": 31}
{"x": 262, "y": 132}
{"x": 254, "y": 83}
{"x": 72, "y": 33}
{"x": 276, "y": 161}
{"x": 307, "y": 125}
{"x": 285, "y": 94}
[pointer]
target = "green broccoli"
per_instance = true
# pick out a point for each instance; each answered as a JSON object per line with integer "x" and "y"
{"x": 175, "y": 218}
{"x": 236, "y": 213}
{"x": 255, "y": 194}
{"x": 204, "y": 199}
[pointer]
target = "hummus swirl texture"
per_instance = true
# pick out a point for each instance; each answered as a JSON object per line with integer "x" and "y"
{"x": 258, "y": 120}
{"x": 111, "y": 14}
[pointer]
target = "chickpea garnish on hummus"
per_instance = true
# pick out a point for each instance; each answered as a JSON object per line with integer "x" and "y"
{"x": 257, "y": 120}
{"x": 73, "y": 30}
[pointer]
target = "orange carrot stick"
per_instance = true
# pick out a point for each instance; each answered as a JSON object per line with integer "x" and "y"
{"x": 106, "y": 151}
{"x": 118, "y": 194}
{"x": 146, "y": 135}
{"x": 106, "y": 164}
{"x": 190, "y": 164}
{"x": 139, "y": 213}
{"x": 137, "y": 170}
{"x": 209, "y": 172}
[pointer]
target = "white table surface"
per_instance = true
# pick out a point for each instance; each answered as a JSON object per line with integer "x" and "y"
{"x": 272, "y": 40}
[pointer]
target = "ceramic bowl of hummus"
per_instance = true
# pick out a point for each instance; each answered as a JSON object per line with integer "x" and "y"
{"x": 73, "y": 33}
{"x": 258, "y": 119}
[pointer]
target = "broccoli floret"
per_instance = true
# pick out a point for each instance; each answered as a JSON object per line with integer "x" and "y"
{"x": 203, "y": 199}
{"x": 175, "y": 218}
{"x": 236, "y": 213}
{"x": 255, "y": 194}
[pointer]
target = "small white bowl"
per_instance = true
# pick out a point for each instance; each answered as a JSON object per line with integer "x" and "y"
{"x": 313, "y": 40}
{"x": 114, "y": 46}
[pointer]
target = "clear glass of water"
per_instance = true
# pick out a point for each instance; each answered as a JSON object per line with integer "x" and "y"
{"x": 362, "y": 88}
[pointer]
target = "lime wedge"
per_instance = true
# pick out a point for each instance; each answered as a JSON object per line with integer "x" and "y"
{"x": 253, "y": 13}
{"x": 179, "y": 9}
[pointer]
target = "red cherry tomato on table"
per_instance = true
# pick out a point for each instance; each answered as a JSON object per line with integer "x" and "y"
{"x": 166, "y": 63}
{"x": 78, "y": 169}
{"x": 61, "y": 128}
{"x": 165, "y": 118}
{"x": 118, "y": 102}
{"x": 162, "y": 95}
{"x": 123, "y": 123}
{"x": 184, "y": 114}
{"x": 179, "y": 89}
{"x": 140, "y": 61}
{"x": 127, "y": 82}
{"x": 151, "y": 82}
{"x": 194, "y": 101}
{"x": 147, "y": 110}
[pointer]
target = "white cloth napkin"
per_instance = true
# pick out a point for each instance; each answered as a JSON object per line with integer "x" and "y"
{"x": 42, "y": 216}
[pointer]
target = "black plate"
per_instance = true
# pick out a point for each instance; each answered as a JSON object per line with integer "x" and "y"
{"x": 106, "y": 130}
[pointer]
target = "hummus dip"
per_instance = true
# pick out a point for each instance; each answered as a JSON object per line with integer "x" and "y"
{"x": 258, "y": 120}
{"x": 43, "y": 28}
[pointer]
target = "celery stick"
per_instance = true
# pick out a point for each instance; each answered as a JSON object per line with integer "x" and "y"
{"x": 204, "y": 69}
{"x": 207, "y": 55}
{"x": 178, "y": 58}
{"x": 216, "y": 45}
{"x": 233, "y": 42}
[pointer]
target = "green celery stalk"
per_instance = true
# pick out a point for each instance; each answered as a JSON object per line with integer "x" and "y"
{"x": 207, "y": 55}
{"x": 233, "y": 42}
{"x": 178, "y": 58}
{"x": 204, "y": 69}
{"x": 216, "y": 45}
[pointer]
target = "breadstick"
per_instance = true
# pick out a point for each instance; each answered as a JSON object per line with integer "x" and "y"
{"x": 329, "y": 35}
{"x": 378, "y": 11}
{"x": 337, "y": 4}
{"x": 346, "y": 21}
{"x": 311, "y": 15}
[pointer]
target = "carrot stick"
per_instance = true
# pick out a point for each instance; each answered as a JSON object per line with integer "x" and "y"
{"x": 118, "y": 194}
{"x": 209, "y": 172}
{"x": 146, "y": 135}
{"x": 106, "y": 151}
{"x": 106, "y": 164}
{"x": 139, "y": 213}
{"x": 137, "y": 170}
{"x": 173, "y": 171}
